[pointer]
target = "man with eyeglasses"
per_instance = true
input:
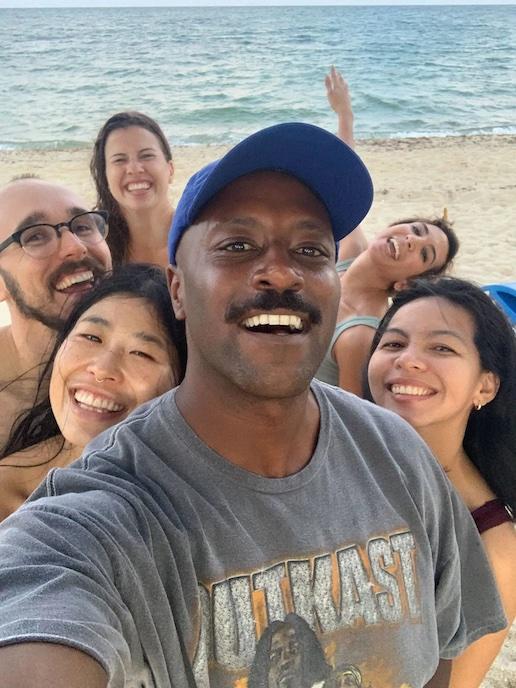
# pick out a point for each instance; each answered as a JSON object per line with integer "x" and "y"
{"x": 52, "y": 250}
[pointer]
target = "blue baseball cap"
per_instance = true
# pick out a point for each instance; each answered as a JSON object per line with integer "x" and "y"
{"x": 318, "y": 159}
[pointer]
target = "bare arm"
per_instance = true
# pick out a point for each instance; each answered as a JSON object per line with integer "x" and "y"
{"x": 45, "y": 665}
{"x": 471, "y": 666}
{"x": 337, "y": 92}
{"x": 441, "y": 678}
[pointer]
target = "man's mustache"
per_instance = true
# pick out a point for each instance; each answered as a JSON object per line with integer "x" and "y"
{"x": 271, "y": 300}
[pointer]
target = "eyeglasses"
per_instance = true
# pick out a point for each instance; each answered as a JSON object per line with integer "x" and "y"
{"x": 42, "y": 240}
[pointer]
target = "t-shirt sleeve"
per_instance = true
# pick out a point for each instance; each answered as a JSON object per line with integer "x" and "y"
{"x": 57, "y": 584}
{"x": 74, "y": 577}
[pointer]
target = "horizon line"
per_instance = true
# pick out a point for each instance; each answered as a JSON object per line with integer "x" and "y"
{"x": 259, "y": 3}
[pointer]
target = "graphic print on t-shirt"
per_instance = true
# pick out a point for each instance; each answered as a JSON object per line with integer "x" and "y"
{"x": 312, "y": 622}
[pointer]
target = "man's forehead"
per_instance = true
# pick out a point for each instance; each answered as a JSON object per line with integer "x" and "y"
{"x": 34, "y": 192}
{"x": 26, "y": 202}
{"x": 254, "y": 180}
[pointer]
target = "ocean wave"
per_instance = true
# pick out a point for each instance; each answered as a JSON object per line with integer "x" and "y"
{"x": 56, "y": 144}
{"x": 422, "y": 133}
{"x": 224, "y": 72}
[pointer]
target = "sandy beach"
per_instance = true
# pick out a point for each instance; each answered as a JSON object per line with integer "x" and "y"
{"x": 473, "y": 177}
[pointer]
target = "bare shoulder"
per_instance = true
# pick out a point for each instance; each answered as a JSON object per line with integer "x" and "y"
{"x": 350, "y": 352}
{"x": 356, "y": 339}
{"x": 23, "y": 471}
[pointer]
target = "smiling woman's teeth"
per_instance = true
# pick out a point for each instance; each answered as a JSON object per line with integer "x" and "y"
{"x": 395, "y": 247}
{"x": 88, "y": 401}
{"x": 138, "y": 186}
{"x": 410, "y": 390}
{"x": 293, "y": 321}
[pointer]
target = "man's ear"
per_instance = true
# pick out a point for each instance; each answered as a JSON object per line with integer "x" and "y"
{"x": 175, "y": 287}
{"x": 171, "y": 168}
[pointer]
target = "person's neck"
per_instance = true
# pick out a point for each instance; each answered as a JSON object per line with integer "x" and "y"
{"x": 62, "y": 451}
{"x": 446, "y": 445}
{"x": 148, "y": 234}
{"x": 270, "y": 437}
{"x": 363, "y": 288}
{"x": 28, "y": 342}
{"x": 70, "y": 452}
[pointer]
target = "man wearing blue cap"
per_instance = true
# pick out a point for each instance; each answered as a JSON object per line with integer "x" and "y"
{"x": 248, "y": 494}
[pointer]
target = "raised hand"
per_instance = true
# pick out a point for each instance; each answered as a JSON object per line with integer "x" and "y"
{"x": 337, "y": 92}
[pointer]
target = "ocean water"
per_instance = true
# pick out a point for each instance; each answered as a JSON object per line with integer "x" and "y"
{"x": 213, "y": 75}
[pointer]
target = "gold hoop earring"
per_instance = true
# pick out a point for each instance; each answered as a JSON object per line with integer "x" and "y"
{"x": 477, "y": 406}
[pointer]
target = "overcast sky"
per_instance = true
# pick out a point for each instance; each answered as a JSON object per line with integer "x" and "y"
{"x": 199, "y": 3}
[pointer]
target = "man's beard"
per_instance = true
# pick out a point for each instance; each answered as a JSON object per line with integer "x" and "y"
{"x": 53, "y": 322}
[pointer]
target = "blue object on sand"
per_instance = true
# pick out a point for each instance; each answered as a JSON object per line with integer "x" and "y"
{"x": 505, "y": 296}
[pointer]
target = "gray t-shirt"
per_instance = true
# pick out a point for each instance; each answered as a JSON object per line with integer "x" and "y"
{"x": 173, "y": 567}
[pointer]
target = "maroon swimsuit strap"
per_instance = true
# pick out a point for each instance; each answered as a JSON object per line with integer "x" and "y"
{"x": 491, "y": 514}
